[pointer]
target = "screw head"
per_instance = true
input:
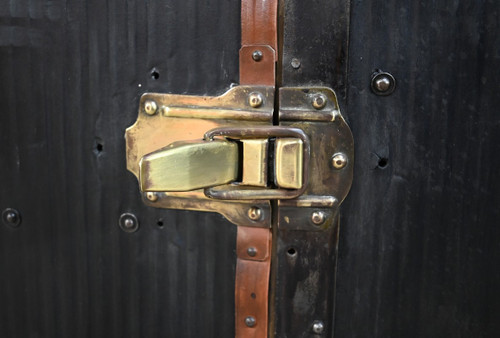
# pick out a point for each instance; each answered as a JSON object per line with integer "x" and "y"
{"x": 152, "y": 196}
{"x": 251, "y": 251}
{"x": 257, "y": 55}
{"x": 383, "y": 83}
{"x": 255, "y": 100}
{"x": 319, "y": 101}
{"x": 128, "y": 222}
{"x": 11, "y": 217}
{"x": 250, "y": 321}
{"x": 318, "y": 327}
{"x": 318, "y": 217}
{"x": 295, "y": 63}
{"x": 255, "y": 213}
{"x": 339, "y": 161}
{"x": 150, "y": 107}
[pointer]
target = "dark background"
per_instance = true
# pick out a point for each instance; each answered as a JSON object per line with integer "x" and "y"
{"x": 419, "y": 240}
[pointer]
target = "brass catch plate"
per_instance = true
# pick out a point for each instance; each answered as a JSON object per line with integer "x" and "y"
{"x": 316, "y": 111}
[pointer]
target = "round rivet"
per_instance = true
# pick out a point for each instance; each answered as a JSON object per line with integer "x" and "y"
{"x": 339, "y": 161}
{"x": 383, "y": 83}
{"x": 11, "y": 217}
{"x": 255, "y": 100}
{"x": 250, "y": 321}
{"x": 257, "y": 55}
{"x": 128, "y": 222}
{"x": 318, "y": 217}
{"x": 152, "y": 196}
{"x": 295, "y": 63}
{"x": 251, "y": 251}
{"x": 319, "y": 101}
{"x": 318, "y": 327}
{"x": 254, "y": 213}
{"x": 150, "y": 107}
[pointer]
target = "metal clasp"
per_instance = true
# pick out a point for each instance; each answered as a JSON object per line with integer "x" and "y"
{"x": 216, "y": 161}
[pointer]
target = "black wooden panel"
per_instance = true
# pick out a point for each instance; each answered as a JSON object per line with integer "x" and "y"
{"x": 419, "y": 239}
{"x": 71, "y": 76}
{"x": 315, "y": 36}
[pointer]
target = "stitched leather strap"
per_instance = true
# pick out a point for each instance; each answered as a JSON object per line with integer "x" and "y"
{"x": 252, "y": 281}
{"x": 259, "y": 36}
{"x": 258, "y": 56}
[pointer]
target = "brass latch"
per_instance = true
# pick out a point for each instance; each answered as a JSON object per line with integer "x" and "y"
{"x": 232, "y": 164}
{"x": 223, "y": 154}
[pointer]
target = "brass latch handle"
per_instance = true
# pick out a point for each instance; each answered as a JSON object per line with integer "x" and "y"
{"x": 214, "y": 162}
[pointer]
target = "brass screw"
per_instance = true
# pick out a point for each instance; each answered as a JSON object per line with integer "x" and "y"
{"x": 257, "y": 55}
{"x": 152, "y": 196}
{"x": 319, "y": 101}
{"x": 150, "y": 107}
{"x": 255, "y": 100}
{"x": 254, "y": 213}
{"x": 339, "y": 161}
{"x": 318, "y": 217}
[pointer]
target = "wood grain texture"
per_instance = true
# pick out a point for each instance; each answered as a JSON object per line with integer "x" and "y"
{"x": 419, "y": 248}
{"x": 72, "y": 73}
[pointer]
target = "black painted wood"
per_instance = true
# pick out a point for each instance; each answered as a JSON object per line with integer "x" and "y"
{"x": 71, "y": 76}
{"x": 419, "y": 241}
{"x": 315, "y": 35}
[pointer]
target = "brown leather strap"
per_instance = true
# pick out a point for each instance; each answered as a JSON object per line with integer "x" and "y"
{"x": 258, "y": 56}
{"x": 253, "y": 250}
{"x": 259, "y": 36}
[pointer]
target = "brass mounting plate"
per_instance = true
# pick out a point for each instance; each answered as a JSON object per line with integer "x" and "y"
{"x": 167, "y": 118}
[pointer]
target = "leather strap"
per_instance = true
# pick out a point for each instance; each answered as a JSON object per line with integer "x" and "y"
{"x": 258, "y": 56}
{"x": 253, "y": 264}
{"x": 258, "y": 35}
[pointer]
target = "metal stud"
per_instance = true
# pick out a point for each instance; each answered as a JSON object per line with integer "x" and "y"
{"x": 318, "y": 217}
{"x": 257, "y": 55}
{"x": 319, "y": 101}
{"x": 152, "y": 196}
{"x": 254, "y": 213}
{"x": 250, "y": 321}
{"x": 318, "y": 327}
{"x": 128, "y": 222}
{"x": 295, "y": 63}
{"x": 383, "y": 83}
{"x": 150, "y": 107}
{"x": 255, "y": 100}
{"x": 11, "y": 217}
{"x": 251, "y": 251}
{"x": 339, "y": 161}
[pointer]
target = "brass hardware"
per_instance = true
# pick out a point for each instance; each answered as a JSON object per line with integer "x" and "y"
{"x": 150, "y": 107}
{"x": 318, "y": 217}
{"x": 227, "y": 171}
{"x": 288, "y": 163}
{"x": 237, "y": 193}
{"x": 255, "y": 100}
{"x": 188, "y": 117}
{"x": 255, "y": 162}
{"x": 152, "y": 196}
{"x": 186, "y": 166}
{"x": 329, "y": 134}
{"x": 254, "y": 213}
{"x": 339, "y": 161}
{"x": 319, "y": 101}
